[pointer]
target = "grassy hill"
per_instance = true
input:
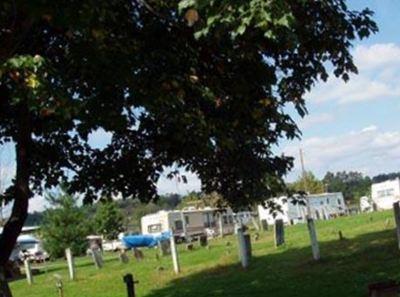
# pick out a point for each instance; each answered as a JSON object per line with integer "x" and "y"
{"x": 368, "y": 254}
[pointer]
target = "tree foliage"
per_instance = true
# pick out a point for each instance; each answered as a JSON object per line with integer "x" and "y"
{"x": 352, "y": 184}
{"x": 202, "y": 85}
{"x": 308, "y": 183}
{"x": 108, "y": 220}
{"x": 65, "y": 225}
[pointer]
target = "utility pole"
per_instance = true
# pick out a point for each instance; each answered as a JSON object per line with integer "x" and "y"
{"x": 305, "y": 186}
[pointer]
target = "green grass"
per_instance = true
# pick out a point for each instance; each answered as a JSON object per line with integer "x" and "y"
{"x": 368, "y": 254}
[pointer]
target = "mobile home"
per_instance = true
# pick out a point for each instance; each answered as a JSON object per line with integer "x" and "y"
{"x": 322, "y": 206}
{"x": 189, "y": 222}
{"x": 384, "y": 194}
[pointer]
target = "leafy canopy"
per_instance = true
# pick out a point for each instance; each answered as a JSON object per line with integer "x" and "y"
{"x": 199, "y": 84}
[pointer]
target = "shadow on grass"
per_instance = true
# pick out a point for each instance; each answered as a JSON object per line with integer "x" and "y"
{"x": 346, "y": 268}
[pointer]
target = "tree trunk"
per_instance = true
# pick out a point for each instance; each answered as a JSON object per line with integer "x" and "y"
{"x": 19, "y": 212}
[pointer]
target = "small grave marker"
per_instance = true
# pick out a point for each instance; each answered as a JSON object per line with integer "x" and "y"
{"x": 396, "y": 209}
{"x": 123, "y": 257}
{"x": 264, "y": 224}
{"x": 97, "y": 258}
{"x": 130, "y": 284}
{"x": 244, "y": 254}
{"x": 279, "y": 232}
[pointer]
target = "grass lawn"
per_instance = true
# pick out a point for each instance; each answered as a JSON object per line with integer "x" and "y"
{"x": 368, "y": 254}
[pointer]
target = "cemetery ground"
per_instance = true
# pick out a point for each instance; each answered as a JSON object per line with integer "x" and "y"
{"x": 368, "y": 253}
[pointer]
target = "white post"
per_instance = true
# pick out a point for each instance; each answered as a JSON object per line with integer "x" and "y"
{"x": 221, "y": 225}
{"x": 174, "y": 253}
{"x": 313, "y": 238}
{"x": 243, "y": 254}
{"x": 28, "y": 271}
{"x": 396, "y": 209}
{"x": 71, "y": 263}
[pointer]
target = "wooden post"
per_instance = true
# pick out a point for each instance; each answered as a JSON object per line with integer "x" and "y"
{"x": 313, "y": 238}
{"x": 71, "y": 263}
{"x": 28, "y": 271}
{"x": 130, "y": 284}
{"x": 396, "y": 209}
{"x": 243, "y": 252}
{"x": 174, "y": 253}
{"x": 279, "y": 231}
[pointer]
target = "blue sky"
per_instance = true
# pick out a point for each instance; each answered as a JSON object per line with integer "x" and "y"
{"x": 353, "y": 126}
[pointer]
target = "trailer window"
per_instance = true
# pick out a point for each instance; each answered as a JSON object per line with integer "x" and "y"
{"x": 225, "y": 218}
{"x": 187, "y": 220}
{"x": 154, "y": 228}
{"x": 178, "y": 225}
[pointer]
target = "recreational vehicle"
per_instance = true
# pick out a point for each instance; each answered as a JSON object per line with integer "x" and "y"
{"x": 294, "y": 210}
{"x": 189, "y": 223}
{"x": 386, "y": 193}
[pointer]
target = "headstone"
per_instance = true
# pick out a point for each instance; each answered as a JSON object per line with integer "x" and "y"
{"x": 123, "y": 257}
{"x": 174, "y": 253}
{"x": 247, "y": 241}
{"x": 28, "y": 271}
{"x": 138, "y": 254}
{"x": 71, "y": 263}
{"x": 189, "y": 247}
{"x": 97, "y": 258}
{"x": 313, "y": 238}
{"x": 264, "y": 224}
{"x": 279, "y": 231}
{"x": 203, "y": 241}
{"x": 243, "y": 252}
{"x": 396, "y": 209}
{"x": 255, "y": 224}
{"x": 221, "y": 225}
{"x": 341, "y": 237}
{"x": 164, "y": 247}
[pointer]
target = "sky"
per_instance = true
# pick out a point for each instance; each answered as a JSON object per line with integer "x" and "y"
{"x": 350, "y": 126}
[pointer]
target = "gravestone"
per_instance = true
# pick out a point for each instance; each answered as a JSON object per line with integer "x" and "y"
{"x": 97, "y": 258}
{"x": 123, "y": 257}
{"x": 264, "y": 225}
{"x": 341, "y": 237}
{"x": 244, "y": 254}
{"x": 396, "y": 209}
{"x": 203, "y": 241}
{"x": 189, "y": 247}
{"x": 164, "y": 247}
{"x": 279, "y": 233}
{"x": 138, "y": 254}
{"x": 247, "y": 242}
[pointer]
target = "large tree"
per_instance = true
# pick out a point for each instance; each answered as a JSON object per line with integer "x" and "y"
{"x": 198, "y": 84}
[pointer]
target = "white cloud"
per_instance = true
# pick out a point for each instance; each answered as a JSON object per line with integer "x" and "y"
{"x": 315, "y": 119}
{"x": 369, "y": 150}
{"x": 378, "y": 78}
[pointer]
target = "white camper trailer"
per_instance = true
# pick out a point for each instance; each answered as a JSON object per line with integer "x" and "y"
{"x": 322, "y": 206}
{"x": 386, "y": 193}
{"x": 189, "y": 222}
